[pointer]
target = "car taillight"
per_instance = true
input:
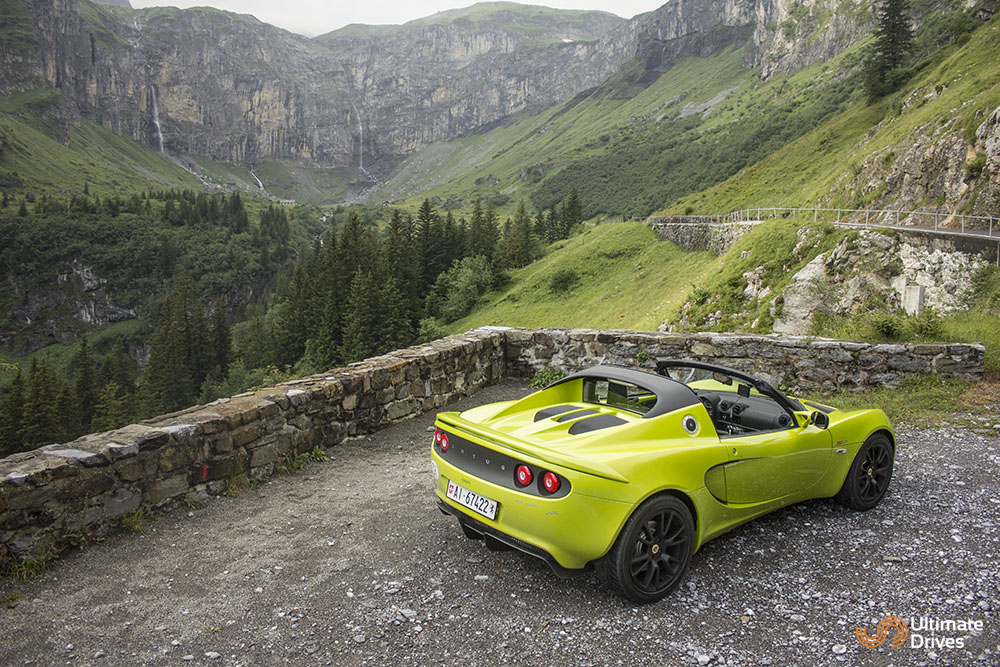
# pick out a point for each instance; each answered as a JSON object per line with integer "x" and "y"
{"x": 444, "y": 442}
{"x": 551, "y": 482}
{"x": 523, "y": 475}
{"x": 437, "y": 436}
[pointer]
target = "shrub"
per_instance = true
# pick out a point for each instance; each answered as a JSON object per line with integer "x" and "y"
{"x": 928, "y": 325}
{"x": 545, "y": 377}
{"x": 886, "y": 326}
{"x": 563, "y": 281}
{"x": 974, "y": 169}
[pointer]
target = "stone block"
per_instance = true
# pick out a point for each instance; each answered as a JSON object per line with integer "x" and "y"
{"x": 705, "y": 350}
{"x": 85, "y": 458}
{"x": 297, "y": 397}
{"x": 139, "y": 467}
{"x": 165, "y": 489}
{"x": 210, "y": 471}
{"x": 178, "y": 457}
{"x": 263, "y": 456}
{"x": 181, "y": 432}
{"x": 121, "y": 502}
{"x": 248, "y": 434}
{"x": 117, "y": 451}
{"x": 908, "y": 364}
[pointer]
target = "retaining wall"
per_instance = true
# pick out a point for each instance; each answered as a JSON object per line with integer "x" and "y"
{"x": 57, "y": 494}
{"x": 53, "y": 496}
{"x": 699, "y": 232}
{"x": 801, "y": 363}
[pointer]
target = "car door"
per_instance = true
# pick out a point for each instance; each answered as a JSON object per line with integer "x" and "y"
{"x": 768, "y": 465}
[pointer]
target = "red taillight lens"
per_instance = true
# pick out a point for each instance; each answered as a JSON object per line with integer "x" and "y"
{"x": 551, "y": 482}
{"x": 437, "y": 436}
{"x": 523, "y": 475}
{"x": 444, "y": 442}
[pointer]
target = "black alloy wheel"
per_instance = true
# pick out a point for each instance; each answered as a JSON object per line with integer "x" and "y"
{"x": 869, "y": 476}
{"x": 652, "y": 552}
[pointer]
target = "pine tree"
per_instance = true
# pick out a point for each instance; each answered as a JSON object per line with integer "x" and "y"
{"x": 396, "y": 325}
{"x": 491, "y": 226}
{"x": 363, "y": 317}
{"x": 178, "y": 355}
{"x": 572, "y": 214}
{"x": 86, "y": 385}
{"x": 520, "y": 245}
{"x": 400, "y": 258}
{"x": 11, "y": 439}
{"x": 113, "y": 408}
{"x": 22, "y": 212}
{"x": 294, "y": 324}
{"x": 221, "y": 339}
{"x": 893, "y": 40}
{"x": 119, "y": 368}
{"x": 324, "y": 340}
{"x": 430, "y": 244}
{"x": 41, "y": 420}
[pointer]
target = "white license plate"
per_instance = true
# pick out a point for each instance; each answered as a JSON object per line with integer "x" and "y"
{"x": 474, "y": 501}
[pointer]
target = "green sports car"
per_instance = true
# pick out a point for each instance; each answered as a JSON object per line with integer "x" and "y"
{"x": 631, "y": 472}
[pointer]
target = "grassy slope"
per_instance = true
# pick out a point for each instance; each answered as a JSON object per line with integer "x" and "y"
{"x": 108, "y": 163}
{"x": 629, "y": 279}
{"x": 574, "y": 130}
{"x": 807, "y": 170}
{"x": 308, "y": 185}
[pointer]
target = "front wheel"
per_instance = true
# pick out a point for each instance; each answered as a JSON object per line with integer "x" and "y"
{"x": 651, "y": 554}
{"x": 868, "y": 478}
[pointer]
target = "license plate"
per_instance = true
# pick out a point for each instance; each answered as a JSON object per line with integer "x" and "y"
{"x": 474, "y": 501}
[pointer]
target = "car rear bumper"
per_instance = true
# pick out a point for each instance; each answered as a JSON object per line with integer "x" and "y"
{"x": 477, "y": 529}
{"x": 567, "y": 532}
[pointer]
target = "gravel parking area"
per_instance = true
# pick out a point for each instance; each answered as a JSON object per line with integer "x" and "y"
{"x": 350, "y": 563}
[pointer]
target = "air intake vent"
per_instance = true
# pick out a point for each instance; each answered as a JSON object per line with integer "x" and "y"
{"x": 595, "y": 424}
{"x": 552, "y": 412}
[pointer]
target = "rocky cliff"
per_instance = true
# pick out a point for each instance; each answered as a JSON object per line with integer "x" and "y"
{"x": 202, "y": 81}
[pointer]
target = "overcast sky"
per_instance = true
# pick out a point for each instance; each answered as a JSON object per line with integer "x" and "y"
{"x": 315, "y": 17}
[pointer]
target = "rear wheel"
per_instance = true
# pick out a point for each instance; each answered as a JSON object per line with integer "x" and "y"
{"x": 652, "y": 552}
{"x": 868, "y": 478}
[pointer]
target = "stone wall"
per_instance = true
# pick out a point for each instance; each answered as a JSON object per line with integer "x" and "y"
{"x": 800, "y": 363}
{"x": 700, "y": 232}
{"x": 53, "y": 496}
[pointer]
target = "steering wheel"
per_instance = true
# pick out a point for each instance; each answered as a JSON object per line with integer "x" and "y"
{"x": 708, "y": 405}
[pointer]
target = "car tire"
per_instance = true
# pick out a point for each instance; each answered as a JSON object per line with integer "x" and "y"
{"x": 651, "y": 554}
{"x": 869, "y": 476}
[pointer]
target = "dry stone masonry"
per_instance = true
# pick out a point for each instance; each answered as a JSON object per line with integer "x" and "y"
{"x": 53, "y": 496}
{"x": 85, "y": 487}
{"x": 801, "y": 363}
{"x": 698, "y": 232}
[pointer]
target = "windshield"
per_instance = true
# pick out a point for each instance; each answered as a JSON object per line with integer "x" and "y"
{"x": 718, "y": 379}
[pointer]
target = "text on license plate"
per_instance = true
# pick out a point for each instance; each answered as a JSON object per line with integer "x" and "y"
{"x": 473, "y": 501}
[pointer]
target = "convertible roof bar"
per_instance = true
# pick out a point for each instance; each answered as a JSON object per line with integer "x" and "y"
{"x": 670, "y": 394}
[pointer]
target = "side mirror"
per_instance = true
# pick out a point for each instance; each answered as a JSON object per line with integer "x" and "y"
{"x": 820, "y": 420}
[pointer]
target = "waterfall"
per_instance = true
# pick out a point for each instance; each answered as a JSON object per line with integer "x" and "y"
{"x": 361, "y": 152}
{"x": 259, "y": 184}
{"x": 361, "y": 140}
{"x": 156, "y": 117}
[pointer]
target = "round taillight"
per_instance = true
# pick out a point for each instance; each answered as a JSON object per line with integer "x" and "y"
{"x": 523, "y": 474}
{"x": 444, "y": 442}
{"x": 551, "y": 482}
{"x": 437, "y": 436}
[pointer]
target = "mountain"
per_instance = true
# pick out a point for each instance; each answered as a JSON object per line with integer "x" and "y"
{"x": 233, "y": 89}
{"x": 224, "y": 86}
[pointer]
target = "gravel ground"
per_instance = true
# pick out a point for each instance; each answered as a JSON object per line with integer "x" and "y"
{"x": 350, "y": 563}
